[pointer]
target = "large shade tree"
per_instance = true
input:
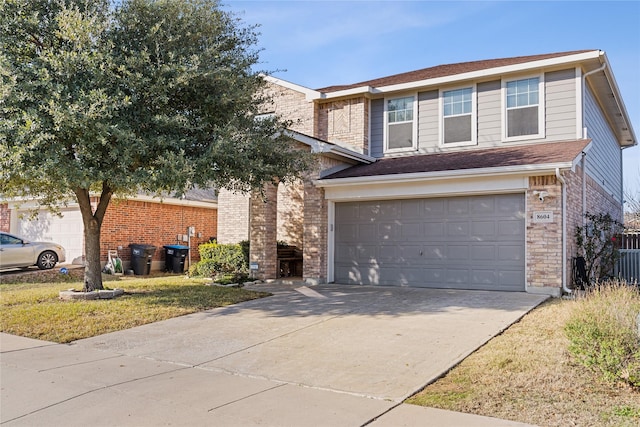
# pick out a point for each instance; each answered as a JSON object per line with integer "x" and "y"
{"x": 102, "y": 98}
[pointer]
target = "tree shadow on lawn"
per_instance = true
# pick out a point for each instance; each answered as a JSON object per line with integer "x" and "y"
{"x": 194, "y": 297}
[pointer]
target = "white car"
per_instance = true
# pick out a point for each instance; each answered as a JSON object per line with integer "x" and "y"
{"x": 17, "y": 252}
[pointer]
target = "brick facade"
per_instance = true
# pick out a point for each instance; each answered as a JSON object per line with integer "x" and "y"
{"x": 263, "y": 232}
{"x": 5, "y": 218}
{"x": 292, "y": 105}
{"x": 290, "y": 213}
{"x": 544, "y": 240}
{"x": 233, "y": 216}
{"x": 345, "y": 122}
{"x": 157, "y": 224}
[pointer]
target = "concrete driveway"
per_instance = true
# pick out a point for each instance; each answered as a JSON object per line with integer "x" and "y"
{"x": 384, "y": 343}
{"x": 335, "y": 344}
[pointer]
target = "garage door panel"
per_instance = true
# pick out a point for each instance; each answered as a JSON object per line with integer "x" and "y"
{"x": 434, "y": 207}
{"x": 458, "y": 253}
{"x": 346, "y": 232}
{"x": 412, "y": 231}
{"x": 511, "y": 229}
{"x": 434, "y": 229}
{"x": 458, "y": 229}
{"x": 457, "y": 276}
{"x": 483, "y": 229}
{"x": 482, "y": 253}
{"x": 510, "y": 253}
{"x": 463, "y": 242}
{"x": 410, "y": 209}
{"x": 481, "y": 206}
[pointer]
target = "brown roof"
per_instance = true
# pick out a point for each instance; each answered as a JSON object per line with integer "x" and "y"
{"x": 448, "y": 70}
{"x": 522, "y": 155}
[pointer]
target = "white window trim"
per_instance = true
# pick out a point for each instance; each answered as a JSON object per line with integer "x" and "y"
{"x": 474, "y": 117}
{"x": 541, "y": 108}
{"x": 414, "y": 135}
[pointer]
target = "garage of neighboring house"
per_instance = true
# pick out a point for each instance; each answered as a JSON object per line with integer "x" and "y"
{"x": 464, "y": 242}
{"x": 65, "y": 229}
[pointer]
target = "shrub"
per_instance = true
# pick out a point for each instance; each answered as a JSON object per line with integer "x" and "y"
{"x": 597, "y": 243}
{"x": 219, "y": 258}
{"x": 603, "y": 331}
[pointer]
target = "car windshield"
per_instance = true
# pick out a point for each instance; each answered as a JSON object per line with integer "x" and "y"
{"x": 6, "y": 239}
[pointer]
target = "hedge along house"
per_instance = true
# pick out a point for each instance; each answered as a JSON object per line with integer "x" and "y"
{"x": 464, "y": 176}
{"x": 138, "y": 220}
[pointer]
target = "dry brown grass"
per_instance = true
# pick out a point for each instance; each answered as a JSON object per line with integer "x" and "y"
{"x": 527, "y": 375}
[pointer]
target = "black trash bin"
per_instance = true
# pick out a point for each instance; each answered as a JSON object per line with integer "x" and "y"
{"x": 174, "y": 256}
{"x": 141, "y": 256}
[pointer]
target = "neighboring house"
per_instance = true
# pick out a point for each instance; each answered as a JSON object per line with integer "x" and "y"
{"x": 465, "y": 176}
{"x": 138, "y": 220}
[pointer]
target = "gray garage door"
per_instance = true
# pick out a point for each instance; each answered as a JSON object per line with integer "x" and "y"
{"x": 474, "y": 242}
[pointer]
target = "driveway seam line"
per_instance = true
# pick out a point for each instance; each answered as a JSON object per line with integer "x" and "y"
{"x": 105, "y": 387}
{"x": 245, "y": 397}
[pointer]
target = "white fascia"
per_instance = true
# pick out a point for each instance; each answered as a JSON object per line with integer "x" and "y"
{"x": 172, "y": 201}
{"x": 309, "y": 94}
{"x": 548, "y": 168}
{"x": 28, "y": 204}
{"x": 318, "y": 146}
{"x": 497, "y": 71}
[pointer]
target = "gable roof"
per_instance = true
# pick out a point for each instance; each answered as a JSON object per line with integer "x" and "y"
{"x": 448, "y": 70}
{"x": 518, "y": 158}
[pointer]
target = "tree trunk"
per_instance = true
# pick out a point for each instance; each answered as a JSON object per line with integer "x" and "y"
{"x": 92, "y": 225}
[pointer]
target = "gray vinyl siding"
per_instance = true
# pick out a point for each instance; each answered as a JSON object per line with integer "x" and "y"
{"x": 377, "y": 127}
{"x": 604, "y": 157}
{"x": 560, "y": 105}
{"x": 489, "y": 113}
{"x": 428, "y": 121}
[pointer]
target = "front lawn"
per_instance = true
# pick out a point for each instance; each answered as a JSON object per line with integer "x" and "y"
{"x": 32, "y": 309}
{"x": 527, "y": 374}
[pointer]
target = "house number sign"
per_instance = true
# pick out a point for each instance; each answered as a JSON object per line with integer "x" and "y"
{"x": 542, "y": 216}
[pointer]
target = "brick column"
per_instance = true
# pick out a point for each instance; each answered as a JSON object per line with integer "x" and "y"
{"x": 315, "y": 234}
{"x": 263, "y": 231}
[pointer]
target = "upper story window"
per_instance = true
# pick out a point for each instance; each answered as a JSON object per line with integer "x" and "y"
{"x": 458, "y": 116}
{"x": 524, "y": 108}
{"x": 400, "y": 123}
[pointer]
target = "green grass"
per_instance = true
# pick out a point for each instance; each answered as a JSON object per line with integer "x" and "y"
{"x": 34, "y": 309}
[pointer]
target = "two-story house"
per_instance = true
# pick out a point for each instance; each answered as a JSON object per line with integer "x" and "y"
{"x": 465, "y": 176}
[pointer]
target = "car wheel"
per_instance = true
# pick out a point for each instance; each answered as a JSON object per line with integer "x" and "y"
{"x": 47, "y": 260}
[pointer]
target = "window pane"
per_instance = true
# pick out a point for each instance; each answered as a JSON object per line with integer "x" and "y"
{"x": 403, "y": 108}
{"x": 457, "y": 129}
{"x": 522, "y": 121}
{"x": 401, "y": 135}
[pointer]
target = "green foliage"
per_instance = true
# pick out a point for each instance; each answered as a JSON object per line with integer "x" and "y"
{"x": 155, "y": 96}
{"x": 597, "y": 243}
{"x": 603, "y": 332}
{"x": 218, "y": 258}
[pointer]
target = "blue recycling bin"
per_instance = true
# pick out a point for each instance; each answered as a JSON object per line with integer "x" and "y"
{"x": 174, "y": 258}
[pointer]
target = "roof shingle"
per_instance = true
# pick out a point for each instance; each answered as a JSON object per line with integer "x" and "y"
{"x": 522, "y": 155}
{"x": 448, "y": 70}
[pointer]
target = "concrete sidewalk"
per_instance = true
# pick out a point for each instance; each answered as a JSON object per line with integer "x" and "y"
{"x": 329, "y": 355}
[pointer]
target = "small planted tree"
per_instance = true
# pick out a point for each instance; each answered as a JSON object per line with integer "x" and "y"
{"x": 597, "y": 242}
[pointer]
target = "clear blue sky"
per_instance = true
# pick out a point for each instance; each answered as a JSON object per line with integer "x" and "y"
{"x": 322, "y": 43}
